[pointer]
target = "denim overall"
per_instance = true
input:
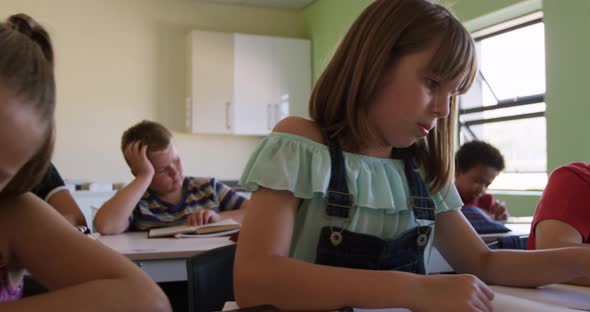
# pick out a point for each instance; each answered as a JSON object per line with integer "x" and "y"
{"x": 342, "y": 248}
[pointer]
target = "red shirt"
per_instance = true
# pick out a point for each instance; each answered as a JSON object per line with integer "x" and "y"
{"x": 485, "y": 202}
{"x": 566, "y": 199}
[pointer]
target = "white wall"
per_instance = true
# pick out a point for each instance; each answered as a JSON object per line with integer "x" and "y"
{"x": 121, "y": 61}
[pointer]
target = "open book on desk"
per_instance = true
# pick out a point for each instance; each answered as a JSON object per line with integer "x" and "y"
{"x": 221, "y": 228}
{"x": 216, "y": 234}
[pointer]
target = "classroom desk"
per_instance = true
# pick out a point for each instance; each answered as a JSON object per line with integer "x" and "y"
{"x": 516, "y": 229}
{"x": 561, "y": 295}
{"x": 438, "y": 264}
{"x": 551, "y": 298}
{"x": 163, "y": 259}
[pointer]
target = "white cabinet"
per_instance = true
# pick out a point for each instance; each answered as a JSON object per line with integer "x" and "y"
{"x": 211, "y": 84}
{"x": 244, "y": 84}
{"x": 292, "y": 64}
{"x": 253, "y": 77}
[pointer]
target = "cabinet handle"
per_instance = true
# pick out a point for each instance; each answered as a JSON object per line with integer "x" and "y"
{"x": 227, "y": 121}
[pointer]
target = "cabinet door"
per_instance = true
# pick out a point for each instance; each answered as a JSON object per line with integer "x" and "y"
{"x": 253, "y": 83}
{"x": 292, "y": 77}
{"x": 211, "y": 82}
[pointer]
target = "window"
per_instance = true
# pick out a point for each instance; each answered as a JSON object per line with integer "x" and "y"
{"x": 505, "y": 106}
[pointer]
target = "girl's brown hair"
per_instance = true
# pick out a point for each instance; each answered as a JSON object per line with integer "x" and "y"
{"x": 26, "y": 67}
{"x": 385, "y": 31}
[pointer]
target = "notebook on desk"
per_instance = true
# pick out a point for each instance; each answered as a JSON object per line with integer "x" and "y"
{"x": 221, "y": 228}
{"x": 215, "y": 234}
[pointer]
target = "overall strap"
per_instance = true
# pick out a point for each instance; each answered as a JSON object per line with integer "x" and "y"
{"x": 420, "y": 199}
{"x": 338, "y": 200}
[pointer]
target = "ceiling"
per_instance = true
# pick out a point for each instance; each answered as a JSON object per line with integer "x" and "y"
{"x": 284, "y": 4}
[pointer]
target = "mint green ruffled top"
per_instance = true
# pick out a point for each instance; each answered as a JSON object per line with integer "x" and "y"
{"x": 381, "y": 194}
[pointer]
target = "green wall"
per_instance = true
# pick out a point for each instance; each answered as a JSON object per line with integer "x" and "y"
{"x": 568, "y": 64}
{"x": 326, "y": 22}
{"x": 520, "y": 205}
{"x": 469, "y": 9}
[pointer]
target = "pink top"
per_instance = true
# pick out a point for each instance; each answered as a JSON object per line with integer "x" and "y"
{"x": 7, "y": 291}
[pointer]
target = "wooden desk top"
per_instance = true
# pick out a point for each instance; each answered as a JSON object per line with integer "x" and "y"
{"x": 561, "y": 295}
{"x": 137, "y": 246}
{"x": 551, "y": 298}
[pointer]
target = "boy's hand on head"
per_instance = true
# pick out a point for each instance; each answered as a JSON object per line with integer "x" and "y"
{"x": 500, "y": 211}
{"x": 203, "y": 216}
{"x": 136, "y": 155}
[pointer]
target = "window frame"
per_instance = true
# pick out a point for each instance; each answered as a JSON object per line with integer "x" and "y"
{"x": 488, "y": 32}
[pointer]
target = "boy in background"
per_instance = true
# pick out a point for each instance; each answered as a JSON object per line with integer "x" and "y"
{"x": 477, "y": 165}
{"x": 160, "y": 195}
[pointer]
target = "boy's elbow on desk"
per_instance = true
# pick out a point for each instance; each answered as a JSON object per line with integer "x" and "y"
{"x": 106, "y": 227}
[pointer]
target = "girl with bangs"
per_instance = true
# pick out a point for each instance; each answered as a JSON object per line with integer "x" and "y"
{"x": 345, "y": 206}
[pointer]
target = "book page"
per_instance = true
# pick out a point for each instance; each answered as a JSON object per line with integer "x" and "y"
{"x": 171, "y": 230}
{"x": 215, "y": 234}
{"x": 223, "y": 225}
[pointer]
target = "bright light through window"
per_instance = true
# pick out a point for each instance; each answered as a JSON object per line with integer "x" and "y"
{"x": 512, "y": 67}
